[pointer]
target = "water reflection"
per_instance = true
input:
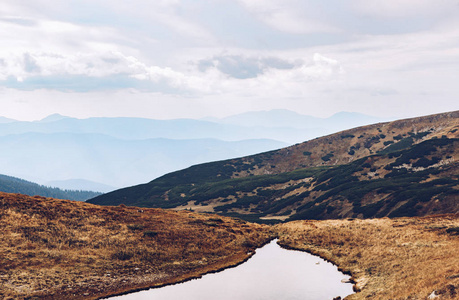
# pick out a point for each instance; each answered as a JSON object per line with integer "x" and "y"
{"x": 272, "y": 273}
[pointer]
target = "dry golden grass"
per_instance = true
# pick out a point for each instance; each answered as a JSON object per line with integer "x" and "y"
{"x": 405, "y": 258}
{"x": 59, "y": 249}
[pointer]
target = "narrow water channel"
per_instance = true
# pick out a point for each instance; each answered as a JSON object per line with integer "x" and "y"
{"x": 272, "y": 273}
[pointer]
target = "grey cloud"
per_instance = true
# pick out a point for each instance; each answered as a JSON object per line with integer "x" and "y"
{"x": 242, "y": 67}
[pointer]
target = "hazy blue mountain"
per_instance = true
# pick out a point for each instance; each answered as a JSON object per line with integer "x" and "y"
{"x": 138, "y": 128}
{"x": 80, "y": 184}
{"x": 271, "y": 118}
{"x": 52, "y": 118}
{"x": 124, "y": 151}
{"x": 289, "y": 119}
{"x": 112, "y": 161}
{"x": 6, "y": 120}
{"x": 282, "y": 125}
{"x": 9, "y": 184}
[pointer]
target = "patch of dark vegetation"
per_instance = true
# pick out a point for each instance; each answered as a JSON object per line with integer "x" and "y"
{"x": 150, "y": 233}
{"x": 327, "y": 157}
{"x": 347, "y": 136}
{"x": 453, "y": 230}
{"x": 135, "y": 227}
{"x": 10, "y": 184}
{"x": 400, "y": 145}
{"x": 122, "y": 255}
{"x": 371, "y": 141}
{"x": 387, "y": 143}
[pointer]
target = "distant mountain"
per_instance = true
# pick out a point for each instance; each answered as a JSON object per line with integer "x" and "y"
{"x": 112, "y": 161}
{"x": 138, "y": 129}
{"x": 9, "y": 184}
{"x": 4, "y": 120}
{"x": 80, "y": 184}
{"x": 281, "y": 125}
{"x": 401, "y": 168}
{"x": 272, "y": 118}
{"x": 124, "y": 151}
{"x": 52, "y": 118}
{"x": 282, "y": 118}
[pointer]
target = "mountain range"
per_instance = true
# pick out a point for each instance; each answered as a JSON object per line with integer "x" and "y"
{"x": 280, "y": 125}
{"x": 108, "y": 153}
{"x": 111, "y": 161}
{"x": 401, "y": 168}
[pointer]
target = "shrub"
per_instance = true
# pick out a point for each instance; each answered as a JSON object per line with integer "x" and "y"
{"x": 453, "y": 230}
{"x": 346, "y": 136}
{"x": 135, "y": 227}
{"x": 150, "y": 233}
{"x": 122, "y": 255}
{"x": 327, "y": 157}
{"x": 386, "y": 143}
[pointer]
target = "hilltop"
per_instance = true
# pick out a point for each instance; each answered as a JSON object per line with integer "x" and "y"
{"x": 402, "y": 168}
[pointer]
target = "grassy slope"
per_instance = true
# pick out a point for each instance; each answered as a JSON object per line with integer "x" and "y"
{"x": 402, "y": 258}
{"x": 420, "y": 180}
{"x": 57, "y": 249}
{"x": 264, "y": 184}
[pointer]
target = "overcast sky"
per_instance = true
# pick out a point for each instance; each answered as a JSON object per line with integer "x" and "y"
{"x": 171, "y": 58}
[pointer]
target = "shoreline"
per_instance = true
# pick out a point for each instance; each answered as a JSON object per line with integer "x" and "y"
{"x": 327, "y": 259}
{"x": 400, "y": 258}
{"x": 60, "y": 249}
{"x": 192, "y": 276}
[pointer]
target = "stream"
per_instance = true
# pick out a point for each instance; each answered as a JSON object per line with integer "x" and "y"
{"x": 271, "y": 273}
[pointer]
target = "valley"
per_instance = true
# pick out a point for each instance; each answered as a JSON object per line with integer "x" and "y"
{"x": 379, "y": 201}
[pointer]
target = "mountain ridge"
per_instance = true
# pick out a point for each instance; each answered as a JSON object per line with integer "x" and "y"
{"x": 289, "y": 178}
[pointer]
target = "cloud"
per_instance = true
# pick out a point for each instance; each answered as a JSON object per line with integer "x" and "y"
{"x": 243, "y": 67}
{"x": 92, "y": 71}
{"x": 19, "y": 21}
{"x": 406, "y": 8}
{"x": 84, "y": 72}
{"x": 290, "y": 16}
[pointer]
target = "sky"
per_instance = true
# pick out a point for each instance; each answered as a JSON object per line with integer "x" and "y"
{"x": 168, "y": 59}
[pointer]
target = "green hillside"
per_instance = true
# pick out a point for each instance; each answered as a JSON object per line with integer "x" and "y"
{"x": 10, "y": 184}
{"x": 402, "y": 168}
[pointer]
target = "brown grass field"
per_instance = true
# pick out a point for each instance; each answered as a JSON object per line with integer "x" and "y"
{"x": 59, "y": 249}
{"x": 404, "y": 258}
